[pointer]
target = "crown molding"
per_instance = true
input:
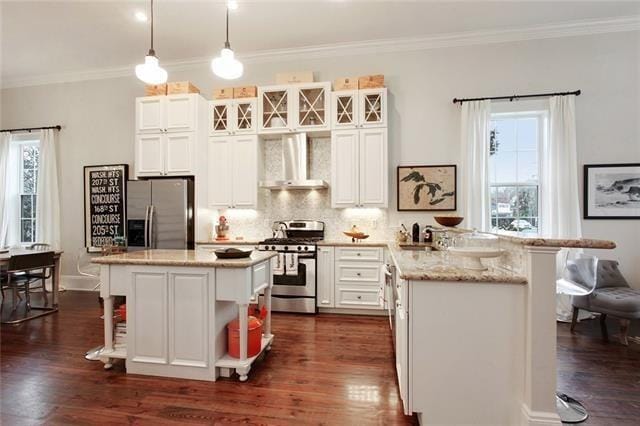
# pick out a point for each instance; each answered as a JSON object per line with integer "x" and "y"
{"x": 394, "y": 45}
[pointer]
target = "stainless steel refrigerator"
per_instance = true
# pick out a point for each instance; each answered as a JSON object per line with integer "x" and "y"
{"x": 160, "y": 214}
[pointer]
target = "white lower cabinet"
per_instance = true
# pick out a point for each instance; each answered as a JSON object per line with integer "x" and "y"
{"x": 359, "y": 168}
{"x": 358, "y": 279}
{"x": 171, "y": 312}
{"x": 326, "y": 287}
{"x": 233, "y": 172}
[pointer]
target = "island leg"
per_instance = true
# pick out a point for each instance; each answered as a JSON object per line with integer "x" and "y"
{"x": 267, "y": 320}
{"x": 108, "y": 329}
{"x": 244, "y": 331}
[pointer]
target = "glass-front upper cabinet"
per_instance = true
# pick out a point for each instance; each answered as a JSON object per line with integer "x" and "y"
{"x": 233, "y": 116}
{"x": 245, "y": 112}
{"x": 344, "y": 109}
{"x": 372, "y": 107}
{"x": 275, "y": 109}
{"x": 220, "y": 122}
{"x": 312, "y": 106}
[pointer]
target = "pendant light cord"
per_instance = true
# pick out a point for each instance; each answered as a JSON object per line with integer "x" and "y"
{"x": 226, "y": 43}
{"x": 151, "y": 51}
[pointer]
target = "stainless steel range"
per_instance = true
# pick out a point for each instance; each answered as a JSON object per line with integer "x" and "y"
{"x": 294, "y": 279}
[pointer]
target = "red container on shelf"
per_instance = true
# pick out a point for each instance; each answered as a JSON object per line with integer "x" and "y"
{"x": 254, "y": 337}
{"x": 122, "y": 312}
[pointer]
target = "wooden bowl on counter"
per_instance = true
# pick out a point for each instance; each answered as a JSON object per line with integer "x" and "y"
{"x": 449, "y": 220}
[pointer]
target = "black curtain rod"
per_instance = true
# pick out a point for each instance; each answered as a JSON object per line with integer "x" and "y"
{"x": 30, "y": 129}
{"x": 514, "y": 97}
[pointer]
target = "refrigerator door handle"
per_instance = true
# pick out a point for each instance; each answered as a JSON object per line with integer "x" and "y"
{"x": 151, "y": 234}
{"x": 146, "y": 227}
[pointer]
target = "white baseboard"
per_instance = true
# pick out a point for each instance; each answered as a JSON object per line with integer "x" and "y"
{"x": 539, "y": 418}
{"x": 376, "y": 312}
{"x": 78, "y": 282}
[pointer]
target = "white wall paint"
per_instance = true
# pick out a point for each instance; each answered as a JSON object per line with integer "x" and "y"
{"x": 98, "y": 116}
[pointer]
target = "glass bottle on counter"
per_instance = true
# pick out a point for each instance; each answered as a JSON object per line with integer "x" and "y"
{"x": 427, "y": 234}
{"x": 415, "y": 233}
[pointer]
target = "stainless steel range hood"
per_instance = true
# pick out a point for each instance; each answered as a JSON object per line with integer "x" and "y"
{"x": 295, "y": 166}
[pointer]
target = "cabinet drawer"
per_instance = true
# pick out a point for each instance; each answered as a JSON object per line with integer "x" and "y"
{"x": 366, "y": 254}
{"x": 358, "y": 273}
{"x": 358, "y": 297}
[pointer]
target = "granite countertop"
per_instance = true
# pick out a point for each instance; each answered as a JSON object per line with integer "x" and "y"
{"x": 347, "y": 243}
{"x": 544, "y": 241}
{"x": 418, "y": 265}
{"x": 229, "y": 242}
{"x": 182, "y": 258}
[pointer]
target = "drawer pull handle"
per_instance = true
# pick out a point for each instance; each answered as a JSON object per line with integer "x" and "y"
{"x": 357, "y": 254}
{"x": 358, "y": 274}
{"x": 359, "y": 297}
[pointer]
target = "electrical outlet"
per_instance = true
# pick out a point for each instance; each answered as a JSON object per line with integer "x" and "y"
{"x": 374, "y": 224}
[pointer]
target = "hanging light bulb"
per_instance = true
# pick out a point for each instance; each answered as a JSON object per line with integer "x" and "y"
{"x": 150, "y": 72}
{"x": 226, "y": 65}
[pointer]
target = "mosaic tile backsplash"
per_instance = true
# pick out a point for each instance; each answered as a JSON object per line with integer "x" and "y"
{"x": 302, "y": 204}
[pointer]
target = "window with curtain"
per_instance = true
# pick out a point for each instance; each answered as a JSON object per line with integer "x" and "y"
{"x": 515, "y": 140}
{"x": 29, "y": 156}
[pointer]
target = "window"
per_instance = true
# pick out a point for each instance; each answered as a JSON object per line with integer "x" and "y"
{"x": 29, "y": 156}
{"x": 514, "y": 142}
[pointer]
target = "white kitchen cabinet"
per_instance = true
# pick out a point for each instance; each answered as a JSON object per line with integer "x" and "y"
{"x": 169, "y": 133}
{"x": 344, "y": 109}
{"x": 325, "y": 265}
{"x": 233, "y": 171}
{"x": 233, "y": 116}
{"x": 150, "y": 113}
{"x": 149, "y": 154}
{"x": 170, "y": 313}
{"x": 359, "y": 168}
{"x": 353, "y": 109}
{"x": 165, "y": 154}
{"x": 303, "y": 107}
{"x": 401, "y": 312}
{"x": 172, "y": 113}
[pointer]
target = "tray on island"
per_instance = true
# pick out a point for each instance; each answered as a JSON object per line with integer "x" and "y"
{"x": 232, "y": 253}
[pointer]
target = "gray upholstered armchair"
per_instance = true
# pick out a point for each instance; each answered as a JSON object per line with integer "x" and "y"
{"x": 610, "y": 294}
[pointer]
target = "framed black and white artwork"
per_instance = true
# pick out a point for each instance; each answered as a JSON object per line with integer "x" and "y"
{"x": 612, "y": 191}
{"x": 105, "y": 197}
{"x": 427, "y": 188}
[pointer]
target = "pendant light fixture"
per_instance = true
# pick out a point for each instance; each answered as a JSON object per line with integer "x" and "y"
{"x": 150, "y": 72}
{"x": 226, "y": 65}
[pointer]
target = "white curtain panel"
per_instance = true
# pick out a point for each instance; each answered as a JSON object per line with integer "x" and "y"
{"x": 5, "y": 146}
{"x": 48, "y": 200}
{"x": 560, "y": 201}
{"x": 474, "y": 170}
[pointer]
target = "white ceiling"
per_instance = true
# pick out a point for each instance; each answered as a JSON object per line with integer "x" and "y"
{"x": 43, "y": 38}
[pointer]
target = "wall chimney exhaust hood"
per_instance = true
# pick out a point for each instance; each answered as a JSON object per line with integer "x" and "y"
{"x": 295, "y": 166}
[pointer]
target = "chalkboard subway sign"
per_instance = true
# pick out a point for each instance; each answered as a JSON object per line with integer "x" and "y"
{"x": 105, "y": 197}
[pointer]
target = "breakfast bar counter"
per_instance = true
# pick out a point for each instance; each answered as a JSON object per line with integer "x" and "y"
{"x": 179, "y": 303}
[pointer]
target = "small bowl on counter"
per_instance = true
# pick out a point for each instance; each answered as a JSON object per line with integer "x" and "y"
{"x": 450, "y": 221}
{"x": 232, "y": 253}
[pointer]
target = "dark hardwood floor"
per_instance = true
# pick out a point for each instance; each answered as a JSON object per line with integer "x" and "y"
{"x": 327, "y": 369}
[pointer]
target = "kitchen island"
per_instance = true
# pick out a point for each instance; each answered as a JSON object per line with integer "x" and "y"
{"x": 479, "y": 347}
{"x": 178, "y": 305}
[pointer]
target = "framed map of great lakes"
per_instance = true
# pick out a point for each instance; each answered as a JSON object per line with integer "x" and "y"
{"x": 427, "y": 188}
{"x": 612, "y": 191}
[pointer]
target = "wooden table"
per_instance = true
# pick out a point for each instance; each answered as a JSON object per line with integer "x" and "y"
{"x": 55, "y": 273}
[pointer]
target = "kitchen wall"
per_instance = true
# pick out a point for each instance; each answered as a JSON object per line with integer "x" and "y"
{"x": 98, "y": 120}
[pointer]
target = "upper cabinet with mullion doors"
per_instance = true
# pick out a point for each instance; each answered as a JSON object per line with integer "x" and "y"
{"x": 363, "y": 108}
{"x": 233, "y": 116}
{"x": 300, "y": 107}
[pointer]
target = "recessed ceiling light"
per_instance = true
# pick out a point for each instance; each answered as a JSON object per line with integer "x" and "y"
{"x": 232, "y": 4}
{"x": 141, "y": 16}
